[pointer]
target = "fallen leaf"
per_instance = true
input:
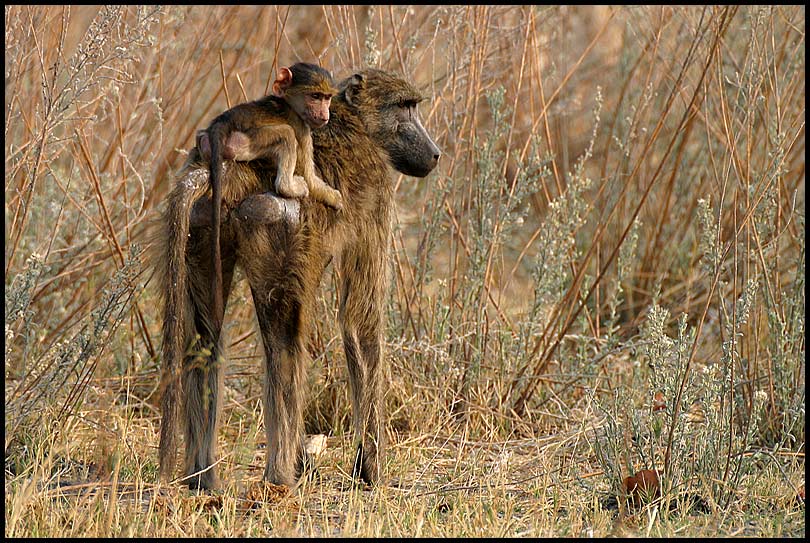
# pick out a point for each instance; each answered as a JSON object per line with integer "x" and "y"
{"x": 659, "y": 402}
{"x": 644, "y": 485}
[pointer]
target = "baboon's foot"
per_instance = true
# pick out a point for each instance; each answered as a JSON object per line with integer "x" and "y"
{"x": 277, "y": 477}
{"x": 322, "y": 192}
{"x": 330, "y": 197}
{"x": 206, "y": 481}
{"x": 305, "y": 470}
{"x": 292, "y": 187}
{"x": 366, "y": 466}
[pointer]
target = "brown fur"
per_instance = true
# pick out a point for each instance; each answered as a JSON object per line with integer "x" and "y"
{"x": 373, "y": 124}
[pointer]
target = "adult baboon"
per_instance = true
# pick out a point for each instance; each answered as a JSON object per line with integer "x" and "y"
{"x": 373, "y": 124}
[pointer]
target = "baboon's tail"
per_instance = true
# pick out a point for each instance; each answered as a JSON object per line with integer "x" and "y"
{"x": 175, "y": 314}
{"x": 217, "y": 134}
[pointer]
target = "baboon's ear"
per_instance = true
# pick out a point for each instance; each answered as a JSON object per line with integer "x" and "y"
{"x": 353, "y": 89}
{"x": 283, "y": 81}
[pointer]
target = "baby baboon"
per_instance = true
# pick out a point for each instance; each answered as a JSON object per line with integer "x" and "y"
{"x": 374, "y": 124}
{"x": 278, "y": 127}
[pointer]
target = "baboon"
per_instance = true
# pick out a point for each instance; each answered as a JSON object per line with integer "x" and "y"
{"x": 276, "y": 126}
{"x": 283, "y": 250}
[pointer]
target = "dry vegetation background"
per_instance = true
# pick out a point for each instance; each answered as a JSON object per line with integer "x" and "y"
{"x": 605, "y": 273}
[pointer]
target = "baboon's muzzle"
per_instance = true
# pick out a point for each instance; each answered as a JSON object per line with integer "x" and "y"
{"x": 414, "y": 153}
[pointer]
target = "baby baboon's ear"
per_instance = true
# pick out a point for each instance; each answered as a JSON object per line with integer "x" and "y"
{"x": 353, "y": 88}
{"x": 283, "y": 81}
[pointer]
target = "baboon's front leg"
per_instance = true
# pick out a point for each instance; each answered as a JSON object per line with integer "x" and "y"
{"x": 363, "y": 288}
{"x": 203, "y": 363}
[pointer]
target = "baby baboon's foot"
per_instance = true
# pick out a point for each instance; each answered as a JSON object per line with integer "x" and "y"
{"x": 292, "y": 187}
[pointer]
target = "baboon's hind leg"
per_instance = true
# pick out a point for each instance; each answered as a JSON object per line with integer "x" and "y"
{"x": 203, "y": 365}
{"x": 286, "y": 359}
{"x": 283, "y": 269}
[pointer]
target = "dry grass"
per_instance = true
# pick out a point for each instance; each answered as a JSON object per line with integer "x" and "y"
{"x": 605, "y": 273}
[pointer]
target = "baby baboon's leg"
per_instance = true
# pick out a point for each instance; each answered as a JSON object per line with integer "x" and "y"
{"x": 362, "y": 295}
{"x": 273, "y": 141}
{"x": 203, "y": 363}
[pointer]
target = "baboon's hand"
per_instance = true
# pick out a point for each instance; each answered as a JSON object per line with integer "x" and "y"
{"x": 292, "y": 187}
{"x": 335, "y": 199}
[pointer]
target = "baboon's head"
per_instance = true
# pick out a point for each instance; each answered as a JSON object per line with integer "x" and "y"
{"x": 387, "y": 106}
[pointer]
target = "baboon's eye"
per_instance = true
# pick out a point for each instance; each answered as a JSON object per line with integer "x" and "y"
{"x": 406, "y": 110}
